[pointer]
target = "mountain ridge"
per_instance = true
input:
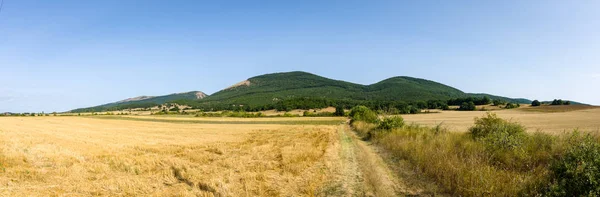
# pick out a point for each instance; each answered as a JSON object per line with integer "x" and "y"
{"x": 273, "y": 87}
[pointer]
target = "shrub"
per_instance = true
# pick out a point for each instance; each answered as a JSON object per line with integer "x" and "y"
{"x": 491, "y": 124}
{"x": 577, "y": 173}
{"x": 535, "y": 103}
{"x": 511, "y": 106}
{"x": 362, "y": 113}
{"x": 389, "y": 123}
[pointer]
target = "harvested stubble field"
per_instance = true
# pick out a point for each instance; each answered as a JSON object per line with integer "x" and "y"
{"x": 75, "y": 156}
{"x": 186, "y": 156}
{"x": 549, "y": 119}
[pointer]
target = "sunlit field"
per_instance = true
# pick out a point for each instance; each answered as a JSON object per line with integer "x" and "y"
{"x": 549, "y": 119}
{"x": 75, "y": 156}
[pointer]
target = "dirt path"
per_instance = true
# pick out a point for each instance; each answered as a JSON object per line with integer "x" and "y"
{"x": 367, "y": 173}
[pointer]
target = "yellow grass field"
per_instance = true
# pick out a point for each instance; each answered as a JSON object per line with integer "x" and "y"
{"x": 548, "y": 119}
{"x": 195, "y": 156}
{"x": 75, "y": 156}
{"x": 187, "y": 156}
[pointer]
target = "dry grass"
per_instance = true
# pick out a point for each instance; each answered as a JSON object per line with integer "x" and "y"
{"x": 73, "y": 156}
{"x": 558, "y": 108}
{"x": 584, "y": 119}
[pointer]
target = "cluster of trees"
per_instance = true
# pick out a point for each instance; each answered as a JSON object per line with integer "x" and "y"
{"x": 476, "y": 101}
{"x": 399, "y": 107}
{"x": 307, "y": 103}
{"x": 560, "y": 102}
{"x": 28, "y": 114}
{"x": 145, "y": 105}
{"x": 470, "y": 106}
{"x": 554, "y": 102}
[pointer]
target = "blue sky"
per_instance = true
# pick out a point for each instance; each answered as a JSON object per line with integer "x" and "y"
{"x": 64, "y": 54}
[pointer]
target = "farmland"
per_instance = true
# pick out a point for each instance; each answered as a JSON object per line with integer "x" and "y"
{"x": 184, "y": 155}
{"x": 70, "y": 155}
{"x": 142, "y": 155}
{"x": 549, "y": 119}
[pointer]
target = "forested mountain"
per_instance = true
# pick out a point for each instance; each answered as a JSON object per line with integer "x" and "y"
{"x": 294, "y": 89}
{"x": 270, "y": 88}
{"x": 144, "y": 102}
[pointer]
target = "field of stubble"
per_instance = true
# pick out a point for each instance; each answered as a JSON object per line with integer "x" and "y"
{"x": 548, "y": 119}
{"x": 77, "y": 156}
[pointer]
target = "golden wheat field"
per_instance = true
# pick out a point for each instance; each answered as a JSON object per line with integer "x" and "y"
{"x": 549, "y": 119}
{"x": 76, "y": 156}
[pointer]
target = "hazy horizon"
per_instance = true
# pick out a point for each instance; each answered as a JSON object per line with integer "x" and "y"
{"x": 65, "y": 54}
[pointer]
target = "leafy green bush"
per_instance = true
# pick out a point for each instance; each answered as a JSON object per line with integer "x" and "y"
{"x": 491, "y": 123}
{"x": 535, "y": 103}
{"x": 389, "y": 123}
{"x": 511, "y": 106}
{"x": 577, "y": 172}
{"x": 362, "y": 113}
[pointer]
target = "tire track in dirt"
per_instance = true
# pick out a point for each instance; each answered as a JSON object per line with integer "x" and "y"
{"x": 367, "y": 173}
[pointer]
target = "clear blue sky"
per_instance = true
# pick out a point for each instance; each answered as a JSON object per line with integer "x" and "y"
{"x": 64, "y": 54}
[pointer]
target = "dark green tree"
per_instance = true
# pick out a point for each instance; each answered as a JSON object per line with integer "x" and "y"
{"x": 339, "y": 111}
{"x": 486, "y": 100}
{"x": 470, "y": 106}
{"x": 498, "y": 102}
{"x": 536, "y": 103}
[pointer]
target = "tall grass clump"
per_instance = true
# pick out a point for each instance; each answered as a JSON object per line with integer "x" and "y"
{"x": 495, "y": 157}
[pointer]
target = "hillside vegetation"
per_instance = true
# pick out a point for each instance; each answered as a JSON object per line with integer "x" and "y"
{"x": 299, "y": 90}
{"x": 495, "y": 157}
{"x": 270, "y": 88}
{"x": 148, "y": 102}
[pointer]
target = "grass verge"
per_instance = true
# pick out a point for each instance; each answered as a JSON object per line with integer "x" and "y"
{"x": 496, "y": 157}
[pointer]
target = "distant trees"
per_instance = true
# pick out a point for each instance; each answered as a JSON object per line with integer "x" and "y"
{"x": 498, "y": 102}
{"x": 560, "y": 102}
{"x": 536, "y": 103}
{"x": 176, "y": 108}
{"x": 470, "y": 106}
{"x": 557, "y": 102}
{"x": 477, "y": 101}
{"x": 339, "y": 111}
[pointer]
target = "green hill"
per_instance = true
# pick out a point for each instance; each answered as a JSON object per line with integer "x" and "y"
{"x": 144, "y": 102}
{"x": 270, "y": 88}
{"x": 282, "y": 90}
